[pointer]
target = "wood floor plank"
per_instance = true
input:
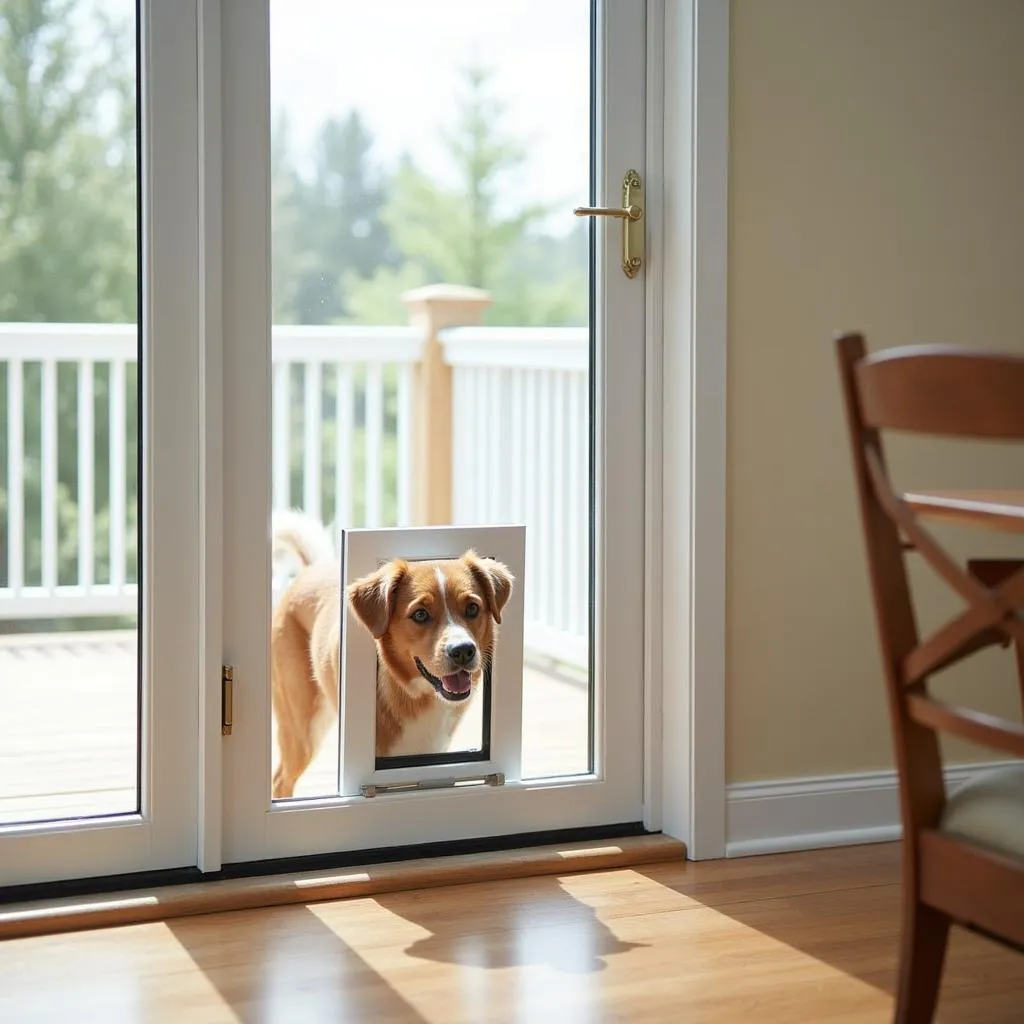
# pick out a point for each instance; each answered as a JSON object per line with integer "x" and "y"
{"x": 804, "y": 938}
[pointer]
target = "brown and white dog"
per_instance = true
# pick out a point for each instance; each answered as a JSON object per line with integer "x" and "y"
{"x": 435, "y": 628}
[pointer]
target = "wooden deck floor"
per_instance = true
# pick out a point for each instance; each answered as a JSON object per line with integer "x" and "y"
{"x": 68, "y": 712}
{"x": 806, "y": 938}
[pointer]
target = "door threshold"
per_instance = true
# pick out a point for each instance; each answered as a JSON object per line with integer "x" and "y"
{"x": 50, "y": 917}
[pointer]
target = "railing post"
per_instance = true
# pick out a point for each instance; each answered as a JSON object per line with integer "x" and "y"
{"x": 431, "y": 309}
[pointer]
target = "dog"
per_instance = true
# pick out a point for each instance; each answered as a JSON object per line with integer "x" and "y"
{"x": 435, "y": 626}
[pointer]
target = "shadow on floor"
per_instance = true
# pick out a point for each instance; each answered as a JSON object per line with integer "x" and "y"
{"x": 526, "y": 922}
{"x": 289, "y": 963}
{"x": 284, "y": 964}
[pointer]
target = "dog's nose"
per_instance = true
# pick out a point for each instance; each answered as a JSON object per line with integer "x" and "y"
{"x": 462, "y": 653}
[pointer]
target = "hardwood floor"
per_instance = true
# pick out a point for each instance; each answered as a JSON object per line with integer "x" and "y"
{"x": 795, "y": 938}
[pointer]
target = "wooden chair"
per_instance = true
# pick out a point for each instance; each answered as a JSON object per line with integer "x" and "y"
{"x": 963, "y": 853}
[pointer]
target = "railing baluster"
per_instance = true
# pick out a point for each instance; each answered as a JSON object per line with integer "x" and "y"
{"x": 86, "y": 468}
{"x": 497, "y": 465}
{"x": 560, "y": 505}
{"x": 312, "y": 445}
{"x": 281, "y": 462}
{"x": 403, "y": 440}
{"x": 517, "y": 419}
{"x": 343, "y": 446}
{"x": 118, "y": 474}
{"x": 465, "y": 454}
{"x": 578, "y": 506}
{"x": 542, "y": 528}
{"x": 48, "y": 494}
{"x": 480, "y": 411}
{"x": 15, "y": 477}
{"x": 372, "y": 476}
{"x": 533, "y": 494}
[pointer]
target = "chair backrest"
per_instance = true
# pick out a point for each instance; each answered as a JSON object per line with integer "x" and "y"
{"x": 949, "y": 392}
{"x": 944, "y": 392}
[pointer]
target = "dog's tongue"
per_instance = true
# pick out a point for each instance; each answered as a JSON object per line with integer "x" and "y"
{"x": 458, "y": 683}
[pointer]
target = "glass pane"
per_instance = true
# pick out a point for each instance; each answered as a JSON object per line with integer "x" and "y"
{"x": 432, "y": 335}
{"x": 69, "y": 410}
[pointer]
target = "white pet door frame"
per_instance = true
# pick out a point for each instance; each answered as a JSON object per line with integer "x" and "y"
{"x": 363, "y": 552}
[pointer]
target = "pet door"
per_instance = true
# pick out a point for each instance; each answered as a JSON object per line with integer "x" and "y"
{"x": 431, "y": 657}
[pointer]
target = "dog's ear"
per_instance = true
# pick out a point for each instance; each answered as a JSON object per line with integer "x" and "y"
{"x": 494, "y": 579}
{"x": 373, "y": 597}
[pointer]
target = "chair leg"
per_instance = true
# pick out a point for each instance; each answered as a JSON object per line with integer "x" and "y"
{"x": 1019, "y": 651}
{"x": 923, "y": 950}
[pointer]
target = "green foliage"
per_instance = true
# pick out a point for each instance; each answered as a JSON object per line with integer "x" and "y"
{"x": 68, "y": 234}
{"x": 67, "y": 166}
{"x": 377, "y": 300}
{"x": 326, "y": 227}
{"x": 459, "y": 234}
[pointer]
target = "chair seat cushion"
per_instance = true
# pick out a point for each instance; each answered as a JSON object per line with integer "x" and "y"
{"x": 989, "y": 811}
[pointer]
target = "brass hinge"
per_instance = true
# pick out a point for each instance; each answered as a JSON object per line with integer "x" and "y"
{"x": 227, "y": 698}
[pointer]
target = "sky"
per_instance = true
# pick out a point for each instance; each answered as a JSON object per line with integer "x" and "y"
{"x": 397, "y": 63}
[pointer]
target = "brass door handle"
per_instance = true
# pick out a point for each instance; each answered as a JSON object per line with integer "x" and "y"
{"x": 631, "y": 214}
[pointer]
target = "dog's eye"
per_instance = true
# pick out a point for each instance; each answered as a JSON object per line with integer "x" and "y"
{"x": 421, "y": 615}
{"x": 472, "y": 610}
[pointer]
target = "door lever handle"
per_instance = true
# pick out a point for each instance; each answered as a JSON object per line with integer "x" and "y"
{"x": 631, "y": 214}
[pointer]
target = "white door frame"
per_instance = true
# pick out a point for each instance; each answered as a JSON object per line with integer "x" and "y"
{"x": 211, "y": 402}
{"x": 687, "y": 167}
{"x": 685, "y": 792}
{"x": 252, "y": 830}
{"x": 687, "y": 196}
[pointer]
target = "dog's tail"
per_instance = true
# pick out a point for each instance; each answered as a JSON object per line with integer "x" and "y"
{"x": 301, "y": 536}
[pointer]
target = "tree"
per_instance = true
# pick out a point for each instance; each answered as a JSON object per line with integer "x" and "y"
{"x": 460, "y": 235}
{"x": 68, "y": 236}
{"x": 292, "y": 260}
{"x": 67, "y": 167}
{"x": 326, "y": 228}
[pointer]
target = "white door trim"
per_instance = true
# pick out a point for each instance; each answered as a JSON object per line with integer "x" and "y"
{"x": 653, "y": 399}
{"x": 211, "y": 419}
{"x": 685, "y": 792}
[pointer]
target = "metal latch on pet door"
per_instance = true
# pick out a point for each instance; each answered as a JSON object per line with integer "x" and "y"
{"x": 381, "y": 788}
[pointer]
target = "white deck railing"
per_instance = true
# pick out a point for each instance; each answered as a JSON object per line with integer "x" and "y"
{"x": 520, "y": 425}
{"x": 342, "y": 427}
{"x": 354, "y": 382}
{"x": 31, "y": 357}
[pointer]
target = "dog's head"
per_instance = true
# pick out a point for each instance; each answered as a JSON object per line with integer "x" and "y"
{"x": 434, "y": 622}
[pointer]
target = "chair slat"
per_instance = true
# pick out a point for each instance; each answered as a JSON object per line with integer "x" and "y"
{"x": 943, "y": 391}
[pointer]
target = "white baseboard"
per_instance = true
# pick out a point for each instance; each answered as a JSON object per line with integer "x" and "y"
{"x": 814, "y": 812}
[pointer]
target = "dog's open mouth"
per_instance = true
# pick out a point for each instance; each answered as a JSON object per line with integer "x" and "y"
{"x": 455, "y": 687}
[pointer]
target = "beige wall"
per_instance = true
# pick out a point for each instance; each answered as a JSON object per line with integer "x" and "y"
{"x": 877, "y": 183}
